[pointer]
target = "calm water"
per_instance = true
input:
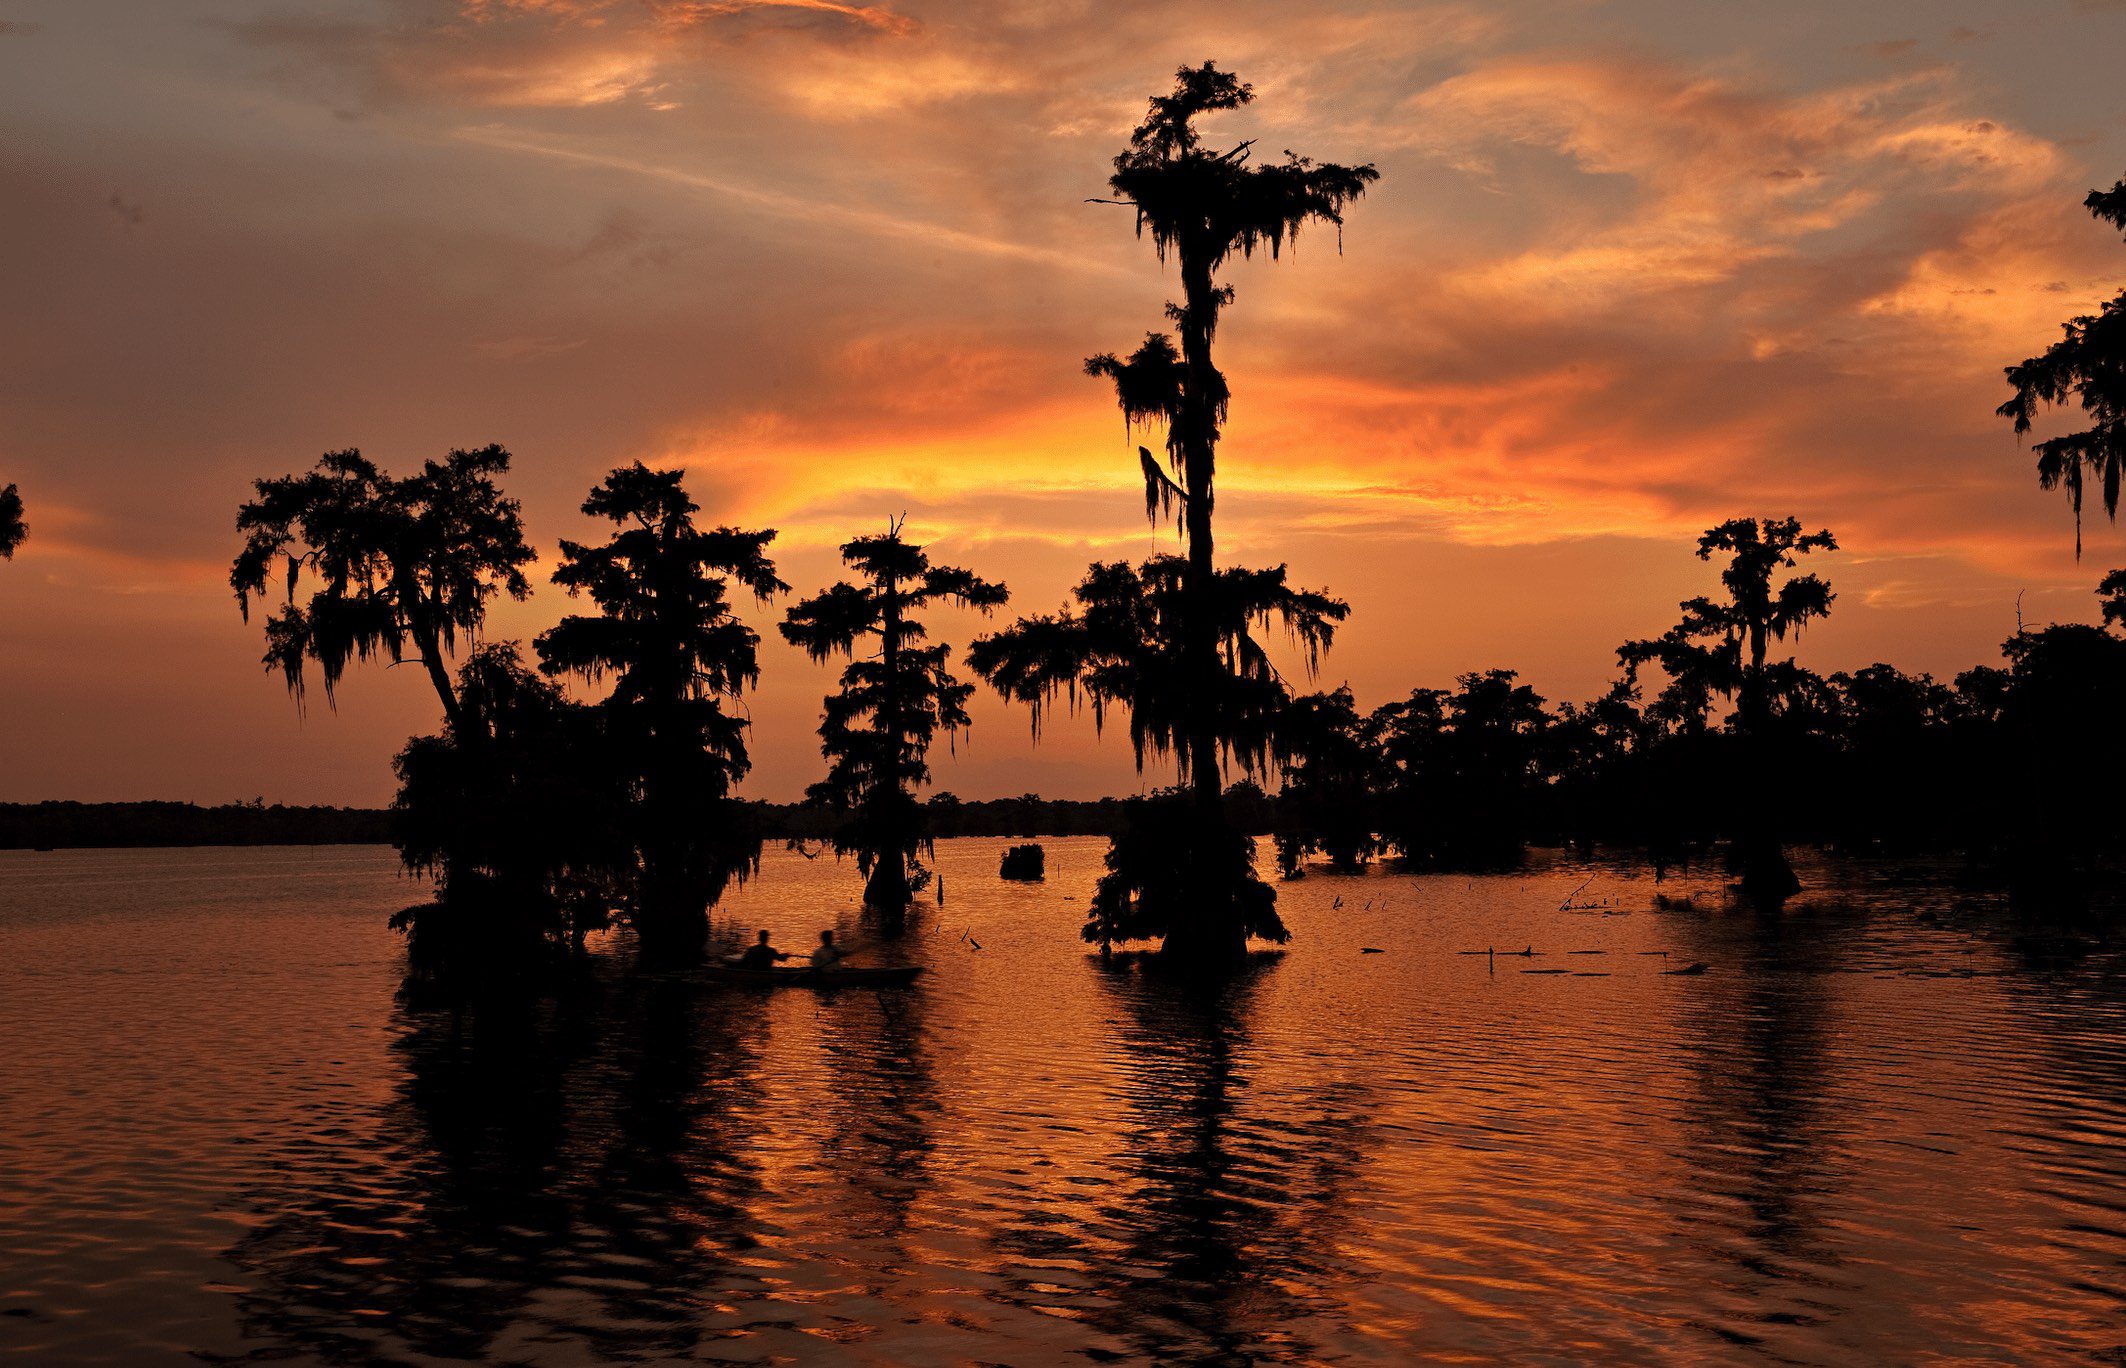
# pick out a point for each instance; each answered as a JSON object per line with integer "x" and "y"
{"x": 1861, "y": 1136}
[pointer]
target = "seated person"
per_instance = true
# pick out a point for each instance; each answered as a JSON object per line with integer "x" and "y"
{"x": 760, "y": 955}
{"x": 827, "y": 954}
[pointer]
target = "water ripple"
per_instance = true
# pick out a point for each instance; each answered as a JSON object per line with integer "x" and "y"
{"x": 1879, "y": 1127}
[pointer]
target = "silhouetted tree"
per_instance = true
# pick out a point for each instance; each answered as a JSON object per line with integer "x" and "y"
{"x": 666, "y": 635}
{"x": 2087, "y": 365}
{"x": 397, "y": 564}
{"x": 1187, "y": 877}
{"x": 876, "y": 732}
{"x": 1330, "y": 755}
{"x": 520, "y": 823}
{"x": 1597, "y": 753}
{"x": 1721, "y": 648}
{"x": 1463, "y": 771}
{"x": 1200, "y": 207}
{"x": 1889, "y": 738}
{"x": 2111, "y": 594}
{"x": 13, "y": 531}
{"x": 2059, "y": 812}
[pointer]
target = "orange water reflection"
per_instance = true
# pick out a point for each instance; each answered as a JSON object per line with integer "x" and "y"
{"x": 1858, "y": 1137}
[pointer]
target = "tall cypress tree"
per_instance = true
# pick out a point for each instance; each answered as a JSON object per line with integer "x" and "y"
{"x": 677, "y": 654}
{"x": 896, "y": 694}
{"x": 1200, "y": 207}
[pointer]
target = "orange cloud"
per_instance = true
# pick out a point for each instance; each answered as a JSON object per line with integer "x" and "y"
{"x": 1719, "y": 176}
{"x": 680, "y": 14}
{"x": 543, "y": 54}
{"x": 835, "y": 258}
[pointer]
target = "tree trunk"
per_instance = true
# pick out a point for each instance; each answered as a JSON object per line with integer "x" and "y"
{"x": 1210, "y": 930}
{"x": 1207, "y": 942}
{"x": 887, "y": 891}
{"x": 1198, "y": 439}
{"x": 672, "y": 912}
{"x": 1756, "y": 854}
{"x": 431, "y": 649}
{"x": 887, "y": 888}
{"x": 672, "y": 921}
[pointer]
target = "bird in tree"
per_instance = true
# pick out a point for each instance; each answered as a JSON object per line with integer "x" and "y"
{"x": 2088, "y": 366}
{"x": 13, "y": 531}
{"x": 677, "y": 654}
{"x": 1200, "y": 207}
{"x": 395, "y": 565}
{"x": 896, "y": 694}
{"x": 1184, "y": 878}
{"x": 1722, "y": 648}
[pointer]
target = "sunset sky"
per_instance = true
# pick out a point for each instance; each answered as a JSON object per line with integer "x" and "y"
{"x": 1631, "y": 268}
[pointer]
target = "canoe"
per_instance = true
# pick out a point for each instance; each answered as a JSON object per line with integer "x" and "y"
{"x": 851, "y": 976}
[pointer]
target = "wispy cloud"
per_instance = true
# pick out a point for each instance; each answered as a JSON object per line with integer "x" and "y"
{"x": 543, "y": 53}
{"x": 783, "y": 205}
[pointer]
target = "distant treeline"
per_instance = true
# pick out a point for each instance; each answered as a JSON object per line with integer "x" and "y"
{"x": 41, "y": 826}
{"x": 37, "y": 826}
{"x": 2011, "y": 766}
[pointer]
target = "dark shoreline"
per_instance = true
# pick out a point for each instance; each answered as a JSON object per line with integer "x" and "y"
{"x": 73, "y": 825}
{"x": 66, "y": 825}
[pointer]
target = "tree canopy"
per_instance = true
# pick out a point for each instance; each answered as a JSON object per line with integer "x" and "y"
{"x": 13, "y": 530}
{"x": 1720, "y": 647}
{"x": 676, "y": 653}
{"x": 877, "y": 730}
{"x": 1124, "y": 644}
{"x": 518, "y": 822}
{"x": 2087, "y": 367}
{"x": 400, "y": 568}
{"x": 1192, "y": 200}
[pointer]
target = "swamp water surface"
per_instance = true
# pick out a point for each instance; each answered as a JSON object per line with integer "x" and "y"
{"x": 1875, "y": 1129}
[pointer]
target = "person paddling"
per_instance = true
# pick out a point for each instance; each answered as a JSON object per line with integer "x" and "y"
{"x": 760, "y": 955}
{"x": 827, "y": 954}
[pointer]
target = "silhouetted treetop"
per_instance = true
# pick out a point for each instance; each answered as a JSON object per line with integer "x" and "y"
{"x": 2111, "y": 593}
{"x": 1218, "y": 201}
{"x": 1204, "y": 206}
{"x": 900, "y": 577}
{"x": 13, "y": 531}
{"x": 397, "y": 563}
{"x": 2088, "y": 366}
{"x": 1715, "y": 645}
{"x": 665, "y": 622}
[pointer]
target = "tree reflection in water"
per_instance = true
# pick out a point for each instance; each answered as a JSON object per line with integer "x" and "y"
{"x": 1767, "y": 1164}
{"x": 638, "y": 1177}
{"x": 1224, "y": 1233}
{"x": 883, "y": 1102}
{"x": 575, "y": 1175}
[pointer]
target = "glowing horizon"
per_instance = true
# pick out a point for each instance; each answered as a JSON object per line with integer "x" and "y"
{"x": 1628, "y": 272}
